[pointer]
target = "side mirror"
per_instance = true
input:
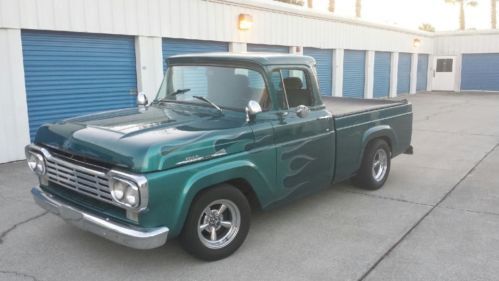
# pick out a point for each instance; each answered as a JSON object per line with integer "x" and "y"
{"x": 302, "y": 111}
{"x": 252, "y": 109}
{"x": 142, "y": 99}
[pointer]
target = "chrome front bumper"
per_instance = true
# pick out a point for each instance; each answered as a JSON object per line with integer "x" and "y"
{"x": 130, "y": 236}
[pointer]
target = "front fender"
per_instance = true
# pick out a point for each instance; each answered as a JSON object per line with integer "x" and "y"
{"x": 173, "y": 191}
{"x": 241, "y": 169}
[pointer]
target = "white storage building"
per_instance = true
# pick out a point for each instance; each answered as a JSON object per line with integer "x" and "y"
{"x": 64, "y": 58}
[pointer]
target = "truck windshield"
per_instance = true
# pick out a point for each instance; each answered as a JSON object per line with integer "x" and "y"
{"x": 227, "y": 87}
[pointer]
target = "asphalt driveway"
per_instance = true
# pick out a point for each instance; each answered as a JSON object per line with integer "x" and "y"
{"x": 437, "y": 218}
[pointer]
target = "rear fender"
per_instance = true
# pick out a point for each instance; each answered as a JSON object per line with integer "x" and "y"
{"x": 380, "y": 131}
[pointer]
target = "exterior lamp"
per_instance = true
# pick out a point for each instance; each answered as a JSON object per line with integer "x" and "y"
{"x": 416, "y": 43}
{"x": 245, "y": 21}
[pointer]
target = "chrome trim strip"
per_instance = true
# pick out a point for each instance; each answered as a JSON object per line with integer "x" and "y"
{"x": 127, "y": 235}
{"x": 196, "y": 158}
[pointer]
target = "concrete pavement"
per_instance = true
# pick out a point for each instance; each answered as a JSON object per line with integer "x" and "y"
{"x": 437, "y": 218}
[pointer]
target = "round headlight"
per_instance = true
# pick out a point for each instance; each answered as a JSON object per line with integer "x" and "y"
{"x": 125, "y": 192}
{"x": 118, "y": 190}
{"x": 36, "y": 163}
{"x": 132, "y": 196}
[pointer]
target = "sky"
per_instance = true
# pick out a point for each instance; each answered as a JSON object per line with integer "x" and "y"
{"x": 411, "y": 13}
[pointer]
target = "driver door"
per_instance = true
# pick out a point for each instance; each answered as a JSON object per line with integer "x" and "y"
{"x": 303, "y": 141}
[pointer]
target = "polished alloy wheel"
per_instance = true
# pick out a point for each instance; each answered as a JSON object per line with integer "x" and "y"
{"x": 380, "y": 164}
{"x": 219, "y": 224}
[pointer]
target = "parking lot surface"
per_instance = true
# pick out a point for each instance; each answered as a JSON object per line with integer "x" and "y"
{"x": 436, "y": 218}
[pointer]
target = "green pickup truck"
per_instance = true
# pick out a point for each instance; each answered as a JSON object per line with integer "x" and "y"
{"x": 226, "y": 133}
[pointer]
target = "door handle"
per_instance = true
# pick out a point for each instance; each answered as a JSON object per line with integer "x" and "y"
{"x": 323, "y": 117}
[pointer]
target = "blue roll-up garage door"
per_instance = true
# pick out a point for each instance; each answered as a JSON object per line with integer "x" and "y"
{"x": 324, "y": 59}
{"x": 404, "y": 73}
{"x": 354, "y": 64}
{"x": 422, "y": 72}
{"x": 480, "y": 72}
{"x": 172, "y": 47}
{"x": 70, "y": 74}
{"x": 268, "y": 48}
{"x": 382, "y": 68}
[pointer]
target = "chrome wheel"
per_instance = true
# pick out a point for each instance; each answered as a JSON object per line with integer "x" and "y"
{"x": 219, "y": 224}
{"x": 380, "y": 164}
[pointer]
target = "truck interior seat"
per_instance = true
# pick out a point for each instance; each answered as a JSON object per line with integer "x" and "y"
{"x": 295, "y": 92}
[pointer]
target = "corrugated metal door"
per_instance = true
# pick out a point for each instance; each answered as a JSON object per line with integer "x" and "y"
{"x": 422, "y": 72}
{"x": 480, "y": 72}
{"x": 268, "y": 48}
{"x": 382, "y": 68}
{"x": 70, "y": 74}
{"x": 404, "y": 73}
{"x": 324, "y": 59}
{"x": 172, "y": 47}
{"x": 354, "y": 72}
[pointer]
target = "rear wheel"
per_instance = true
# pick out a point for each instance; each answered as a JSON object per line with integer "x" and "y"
{"x": 217, "y": 224}
{"x": 375, "y": 166}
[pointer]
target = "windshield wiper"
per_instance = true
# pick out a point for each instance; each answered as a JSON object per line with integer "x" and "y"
{"x": 177, "y": 92}
{"x": 209, "y": 102}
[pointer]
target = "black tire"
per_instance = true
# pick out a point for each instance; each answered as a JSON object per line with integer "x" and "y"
{"x": 366, "y": 178}
{"x": 192, "y": 241}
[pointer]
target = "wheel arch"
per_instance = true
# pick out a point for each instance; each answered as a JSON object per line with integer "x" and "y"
{"x": 243, "y": 175}
{"x": 384, "y": 132}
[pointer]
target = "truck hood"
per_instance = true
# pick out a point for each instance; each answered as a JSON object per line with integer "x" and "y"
{"x": 150, "y": 139}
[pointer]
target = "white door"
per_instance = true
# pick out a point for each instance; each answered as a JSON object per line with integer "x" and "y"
{"x": 444, "y": 69}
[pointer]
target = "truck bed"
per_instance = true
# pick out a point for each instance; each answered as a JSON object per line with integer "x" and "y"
{"x": 341, "y": 106}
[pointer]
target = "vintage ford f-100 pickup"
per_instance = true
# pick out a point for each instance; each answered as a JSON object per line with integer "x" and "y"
{"x": 225, "y": 133}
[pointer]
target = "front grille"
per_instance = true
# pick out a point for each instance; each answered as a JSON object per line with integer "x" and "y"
{"x": 86, "y": 181}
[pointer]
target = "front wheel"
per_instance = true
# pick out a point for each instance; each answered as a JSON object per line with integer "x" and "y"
{"x": 217, "y": 224}
{"x": 375, "y": 166}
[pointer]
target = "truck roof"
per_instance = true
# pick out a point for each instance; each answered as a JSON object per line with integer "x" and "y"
{"x": 256, "y": 58}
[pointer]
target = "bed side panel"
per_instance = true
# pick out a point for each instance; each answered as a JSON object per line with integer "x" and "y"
{"x": 356, "y": 130}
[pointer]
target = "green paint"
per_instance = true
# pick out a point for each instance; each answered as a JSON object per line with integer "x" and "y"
{"x": 281, "y": 155}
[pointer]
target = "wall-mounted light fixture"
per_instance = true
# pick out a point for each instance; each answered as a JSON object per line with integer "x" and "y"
{"x": 416, "y": 43}
{"x": 245, "y": 21}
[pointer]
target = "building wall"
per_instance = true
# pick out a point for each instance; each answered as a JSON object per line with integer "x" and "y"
{"x": 150, "y": 21}
{"x": 14, "y": 130}
{"x": 464, "y": 42}
{"x": 275, "y": 23}
{"x": 216, "y": 20}
{"x": 467, "y": 42}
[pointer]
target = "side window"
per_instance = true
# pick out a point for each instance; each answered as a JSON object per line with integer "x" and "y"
{"x": 297, "y": 88}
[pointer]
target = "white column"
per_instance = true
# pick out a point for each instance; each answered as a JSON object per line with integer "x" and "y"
{"x": 296, "y": 50}
{"x": 149, "y": 60}
{"x": 14, "y": 125}
{"x": 238, "y": 47}
{"x": 458, "y": 67}
{"x": 369, "y": 84}
{"x": 414, "y": 74}
{"x": 429, "y": 80}
{"x": 393, "y": 74}
{"x": 338, "y": 72}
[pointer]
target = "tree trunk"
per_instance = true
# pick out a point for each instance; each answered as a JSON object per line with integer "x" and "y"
{"x": 310, "y": 3}
{"x": 332, "y": 5}
{"x": 462, "y": 22}
{"x": 493, "y": 14}
{"x": 358, "y": 8}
